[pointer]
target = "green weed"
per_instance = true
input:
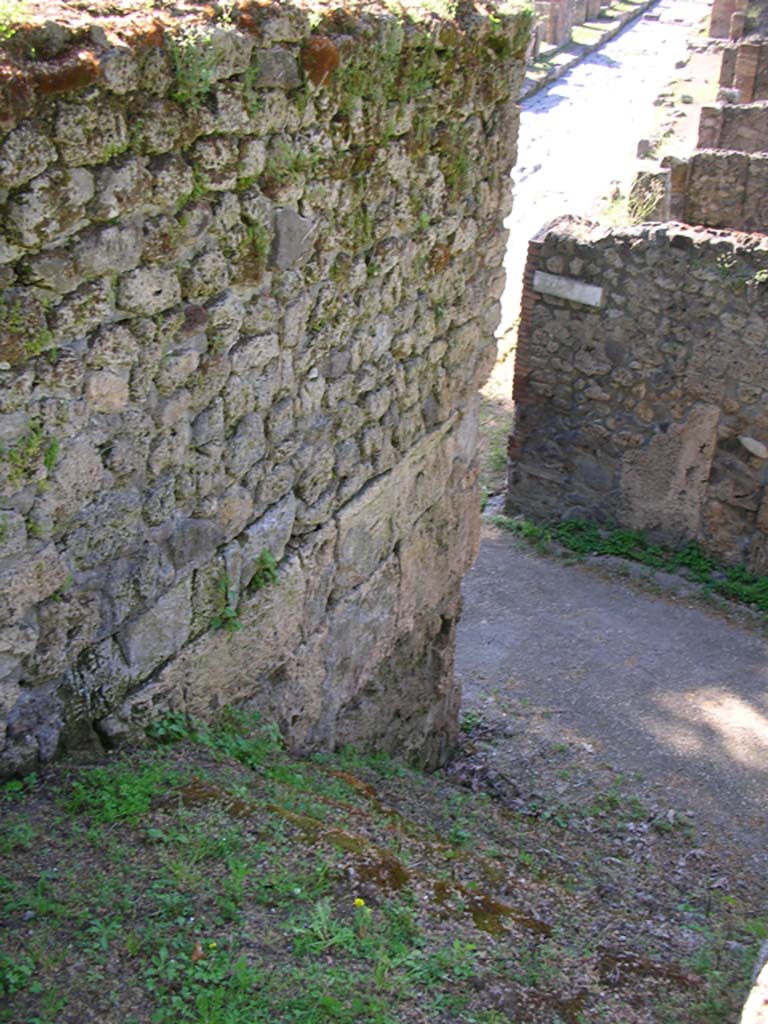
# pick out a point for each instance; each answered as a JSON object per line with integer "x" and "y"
{"x": 228, "y": 617}
{"x": 265, "y": 571}
{"x": 119, "y": 792}
{"x": 193, "y": 62}
{"x": 18, "y": 836}
{"x": 242, "y": 736}
{"x": 171, "y": 728}
{"x": 321, "y": 931}
{"x": 26, "y": 455}
{"x": 15, "y": 972}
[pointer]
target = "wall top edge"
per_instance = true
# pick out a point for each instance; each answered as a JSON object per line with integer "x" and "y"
{"x": 40, "y": 30}
{"x": 52, "y": 48}
{"x": 681, "y": 235}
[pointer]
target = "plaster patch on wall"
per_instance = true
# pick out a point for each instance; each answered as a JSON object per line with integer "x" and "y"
{"x": 567, "y": 288}
{"x": 663, "y": 486}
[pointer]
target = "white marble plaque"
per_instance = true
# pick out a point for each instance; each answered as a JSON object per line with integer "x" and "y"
{"x": 567, "y": 288}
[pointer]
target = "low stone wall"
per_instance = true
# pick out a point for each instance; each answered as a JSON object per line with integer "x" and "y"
{"x": 641, "y": 385}
{"x": 739, "y": 127}
{"x": 249, "y": 277}
{"x": 726, "y": 189}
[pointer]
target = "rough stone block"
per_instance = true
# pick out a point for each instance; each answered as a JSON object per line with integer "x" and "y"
{"x": 277, "y": 69}
{"x": 24, "y": 153}
{"x": 51, "y": 207}
{"x": 272, "y": 531}
{"x": 192, "y": 543}
{"x": 77, "y": 476}
{"x": 148, "y": 291}
{"x": 111, "y": 250}
{"x": 90, "y": 133}
{"x": 159, "y": 633}
{"x": 367, "y": 533}
{"x": 29, "y": 580}
{"x": 121, "y": 188}
{"x": 294, "y": 236}
{"x": 119, "y": 71}
{"x": 107, "y": 528}
{"x": 81, "y": 311}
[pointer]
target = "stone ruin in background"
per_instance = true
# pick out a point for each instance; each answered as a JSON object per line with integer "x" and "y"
{"x": 641, "y": 381}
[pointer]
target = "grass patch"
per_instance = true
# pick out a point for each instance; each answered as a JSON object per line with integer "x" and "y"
{"x": 214, "y": 878}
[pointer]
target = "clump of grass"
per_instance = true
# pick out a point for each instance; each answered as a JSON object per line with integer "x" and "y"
{"x": 194, "y": 62}
{"x": 25, "y": 455}
{"x": 122, "y": 793}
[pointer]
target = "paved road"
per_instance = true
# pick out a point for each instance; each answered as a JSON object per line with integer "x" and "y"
{"x": 660, "y": 686}
{"x": 580, "y": 134}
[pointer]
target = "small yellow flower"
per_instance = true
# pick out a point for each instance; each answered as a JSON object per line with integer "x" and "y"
{"x": 359, "y": 902}
{"x": 211, "y": 945}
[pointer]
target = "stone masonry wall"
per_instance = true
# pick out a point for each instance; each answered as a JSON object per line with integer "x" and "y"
{"x": 740, "y": 127}
{"x": 641, "y": 385}
{"x": 249, "y": 280}
{"x": 727, "y": 189}
{"x": 713, "y": 188}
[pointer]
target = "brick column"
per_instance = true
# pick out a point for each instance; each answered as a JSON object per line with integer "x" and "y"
{"x": 761, "y": 79}
{"x": 720, "y": 19}
{"x": 678, "y": 186}
{"x": 738, "y": 20}
{"x": 560, "y": 22}
{"x": 520, "y": 393}
{"x": 747, "y": 61}
{"x": 728, "y": 66}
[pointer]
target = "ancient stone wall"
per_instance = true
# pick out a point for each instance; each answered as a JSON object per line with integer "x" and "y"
{"x": 724, "y": 183}
{"x": 249, "y": 279}
{"x": 641, "y": 384}
{"x": 739, "y": 127}
{"x": 727, "y": 189}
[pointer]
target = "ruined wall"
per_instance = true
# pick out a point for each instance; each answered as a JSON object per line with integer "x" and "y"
{"x": 724, "y": 183}
{"x": 726, "y": 189}
{"x": 641, "y": 384}
{"x": 741, "y": 127}
{"x": 249, "y": 279}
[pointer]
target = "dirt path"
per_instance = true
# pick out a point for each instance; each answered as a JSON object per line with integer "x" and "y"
{"x": 667, "y": 688}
